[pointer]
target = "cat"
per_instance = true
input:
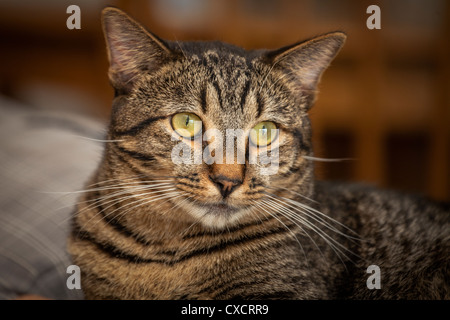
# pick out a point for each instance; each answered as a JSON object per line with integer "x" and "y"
{"x": 149, "y": 228}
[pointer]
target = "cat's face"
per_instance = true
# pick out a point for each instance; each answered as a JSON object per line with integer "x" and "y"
{"x": 183, "y": 99}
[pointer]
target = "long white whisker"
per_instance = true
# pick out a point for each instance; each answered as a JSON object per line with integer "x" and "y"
{"x": 169, "y": 196}
{"x": 117, "y": 193}
{"x": 134, "y": 177}
{"x": 141, "y": 201}
{"x": 327, "y": 159}
{"x": 314, "y": 211}
{"x": 115, "y": 201}
{"x": 255, "y": 203}
{"x": 335, "y": 245}
{"x": 121, "y": 191}
{"x": 112, "y": 187}
{"x": 269, "y": 204}
{"x": 96, "y": 140}
{"x": 293, "y": 217}
{"x": 176, "y": 205}
{"x": 305, "y": 210}
{"x": 294, "y": 192}
{"x": 195, "y": 222}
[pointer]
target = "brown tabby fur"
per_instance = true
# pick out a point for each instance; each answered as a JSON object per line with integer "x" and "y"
{"x": 259, "y": 241}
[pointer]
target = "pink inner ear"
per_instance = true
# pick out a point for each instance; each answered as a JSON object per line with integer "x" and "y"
{"x": 309, "y": 77}
{"x": 123, "y": 57}
{"x": 122, "y": 64}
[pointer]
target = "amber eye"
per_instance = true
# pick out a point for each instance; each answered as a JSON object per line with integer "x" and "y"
{"x": 187, "y": 125}
{"x": 262, "y": 134}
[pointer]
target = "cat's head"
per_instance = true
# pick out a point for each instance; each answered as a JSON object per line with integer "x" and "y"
{"x": 177, "y": 101}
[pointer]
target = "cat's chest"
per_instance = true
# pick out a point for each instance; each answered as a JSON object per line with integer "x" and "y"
{"x": 223, "y": 274}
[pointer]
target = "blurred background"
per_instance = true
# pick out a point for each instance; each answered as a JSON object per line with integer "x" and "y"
{"x": 385, "y": 100}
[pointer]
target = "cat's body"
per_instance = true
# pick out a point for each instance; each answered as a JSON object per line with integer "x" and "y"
{"x": 153, "y": 229}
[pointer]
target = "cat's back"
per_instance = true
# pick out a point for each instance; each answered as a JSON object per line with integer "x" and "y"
{"x": 406, "y": 236}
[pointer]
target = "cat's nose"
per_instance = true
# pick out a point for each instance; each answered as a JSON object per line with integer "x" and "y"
{"x": 227, "y": 177}
{"x": 225, "y": 185}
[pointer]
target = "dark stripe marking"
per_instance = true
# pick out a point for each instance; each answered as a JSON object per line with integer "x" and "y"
{"x": 190, "y": 185}
{"x": 134, "y": 154}
{"x": 203, "y": 99}
{"x": 259, "y": 105}
{"x": 219, "y": 93}
{"x": 135, "y": 170}
{"x": 211, "y": 284}
{"x": 244, "y": 94}
{"x": 135, "y": 130}
{"x": 190, "y": 178}
{"x": 119, "y": 254}
{"x": 105, "y": 247}
{"x": 295, "y": 169}
{"x": 273, "y": 295}
{"x": 117, "y": 226}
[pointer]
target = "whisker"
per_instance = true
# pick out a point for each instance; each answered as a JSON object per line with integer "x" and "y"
{"x": 112, "y": 187}
{"x": 118, "y": 193}
{"x": 169, "y": 196}
{"x": 96, "y": 140}
{"x": 295, "y": 218}
{"x": 292, "y": 191}
{"x": 266, "y": 202}
{"x": 116, "y": 201}
{"x": 311, "y": 215}
{"x": 176, "y": 205}
{"x": 105, "y": 197}
{"x": 121, "y": 191}
{"x": 327, "y": 159}
{"x": 314, "y": 211}
{"x": 133, "y": 177}
{"x": 332, "y": 228}
{"x": 191, "y": 198}
{"x": 335, "y": 245}
{"x": 255, "y": 203}
{"x": 140, "y": 201}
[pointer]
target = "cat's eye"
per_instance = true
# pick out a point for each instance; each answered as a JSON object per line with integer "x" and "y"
{"x": 187, "y": 125}
{"x": 264, "y": 133}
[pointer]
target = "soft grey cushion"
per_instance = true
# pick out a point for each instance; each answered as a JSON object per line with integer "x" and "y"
{"x": 42, "y": 155}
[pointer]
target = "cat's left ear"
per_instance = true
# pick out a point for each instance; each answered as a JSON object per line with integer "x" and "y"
{"x": 303, "y": 63}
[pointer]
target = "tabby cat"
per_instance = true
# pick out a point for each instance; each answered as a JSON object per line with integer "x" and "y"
{"x": 148, "y": 227}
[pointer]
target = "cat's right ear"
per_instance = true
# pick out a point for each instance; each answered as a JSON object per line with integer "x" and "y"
{"x": 303, "y": 63}
{"x": 132, "y": 50}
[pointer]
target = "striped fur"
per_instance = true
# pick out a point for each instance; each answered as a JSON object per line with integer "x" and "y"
{"x": 146, "y": 228}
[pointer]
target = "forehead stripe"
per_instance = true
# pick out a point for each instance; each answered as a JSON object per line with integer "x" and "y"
{"x": 219, "y": 93}
{"x": 244, "y": 94}
{"x": 259, "y": 104}
{"x": 203, "y": 99}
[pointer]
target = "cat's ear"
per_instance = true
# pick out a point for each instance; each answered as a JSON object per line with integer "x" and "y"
{"x": 303, "y": 63}
{"x": 131, "y": 49}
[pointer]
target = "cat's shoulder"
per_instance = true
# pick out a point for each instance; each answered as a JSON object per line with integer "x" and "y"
{"x": 369, "y": 198}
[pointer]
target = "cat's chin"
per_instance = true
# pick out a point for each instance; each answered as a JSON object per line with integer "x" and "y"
{"x": 217, "y": 215}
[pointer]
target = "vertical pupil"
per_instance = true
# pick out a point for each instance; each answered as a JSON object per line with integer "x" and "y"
{"x": 187, "y": 120}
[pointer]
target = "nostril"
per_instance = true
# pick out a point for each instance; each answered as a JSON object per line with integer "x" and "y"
{"x": 225, "y": 185}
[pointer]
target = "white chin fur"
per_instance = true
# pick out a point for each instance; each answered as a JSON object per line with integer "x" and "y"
{"x": 214, "y": 220}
